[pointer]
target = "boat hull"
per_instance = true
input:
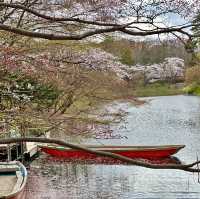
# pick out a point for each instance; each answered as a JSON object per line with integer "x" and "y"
{"x": 20, "y": 192}
{"x": 20, "y": 195}
{"x": 146, "y": 153}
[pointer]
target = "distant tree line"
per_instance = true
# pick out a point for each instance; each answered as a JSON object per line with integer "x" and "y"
{"x": 145, "y": 52}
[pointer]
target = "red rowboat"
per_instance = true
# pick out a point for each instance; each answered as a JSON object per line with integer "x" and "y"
{"x": 13, "y": 178}
{"x": 146, "y": 152}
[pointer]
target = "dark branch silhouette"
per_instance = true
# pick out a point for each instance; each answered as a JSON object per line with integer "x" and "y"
{"x": 186, "y": 167}
{"x": 144, "y": 13}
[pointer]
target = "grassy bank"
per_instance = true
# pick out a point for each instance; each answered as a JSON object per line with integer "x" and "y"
{"x": 157, "y": 89}
{"x": 193, "y": 80}
{"x": 192, "y": 89}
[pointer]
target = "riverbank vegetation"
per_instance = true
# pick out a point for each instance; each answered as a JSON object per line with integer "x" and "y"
{"x": 158, "y": 89}
{"x": 56, "y": 85}
{"x": 193, "y": 80}
{"x": 45, "y": 86}
{"x": 192, "y": 75}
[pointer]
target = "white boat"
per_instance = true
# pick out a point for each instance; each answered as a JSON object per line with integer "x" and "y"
{"x": 13, "y": 178}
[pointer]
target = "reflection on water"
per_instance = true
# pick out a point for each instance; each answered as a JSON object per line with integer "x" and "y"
{"x": 100, "y": 178}
{"x": 79, "y": 181}
{"x": 164, "y": 120}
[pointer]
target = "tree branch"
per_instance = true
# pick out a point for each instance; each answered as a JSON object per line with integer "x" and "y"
{"x": 80, "y": 36}
{"x": 56, "y": 19}
{"x": 111, "y": 27}
{"x": 187, "y": 167}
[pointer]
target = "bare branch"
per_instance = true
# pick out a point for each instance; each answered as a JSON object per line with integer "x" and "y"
{"x": 187, "y": 167}
{"x": 142, "y": 13}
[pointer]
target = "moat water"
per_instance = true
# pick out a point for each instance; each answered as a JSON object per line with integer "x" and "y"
{"x": 161, "y": 120}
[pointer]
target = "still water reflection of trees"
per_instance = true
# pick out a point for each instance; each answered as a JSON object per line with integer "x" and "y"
{"x": 71, "y": 180}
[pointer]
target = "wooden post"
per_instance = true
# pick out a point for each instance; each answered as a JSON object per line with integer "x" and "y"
{"x": 17, "y": 151}
{"x": 9, "y": 153}
{"x": 23, "y": 144}
{"x": 9, "y": 158}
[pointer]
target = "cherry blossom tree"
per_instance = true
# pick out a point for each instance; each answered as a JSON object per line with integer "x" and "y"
{"x": 76, "y": 20}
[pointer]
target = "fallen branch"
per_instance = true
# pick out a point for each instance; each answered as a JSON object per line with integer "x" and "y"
{"x": 186, "y": 167}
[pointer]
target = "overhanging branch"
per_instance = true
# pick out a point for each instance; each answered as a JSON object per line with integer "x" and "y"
{"x": 80, "y": 36}
{"x": 98, "y": 27}
{"x": 187, "y": 167}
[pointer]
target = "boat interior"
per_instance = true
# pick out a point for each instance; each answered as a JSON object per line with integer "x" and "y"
{"x": 11, "y": 179}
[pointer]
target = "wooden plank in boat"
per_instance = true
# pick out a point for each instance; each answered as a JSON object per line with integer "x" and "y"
{"x": 8, "y": 168}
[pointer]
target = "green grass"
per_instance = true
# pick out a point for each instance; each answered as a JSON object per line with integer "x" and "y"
{"x": 192, "y": 89}
{"x": 157, "y": 89}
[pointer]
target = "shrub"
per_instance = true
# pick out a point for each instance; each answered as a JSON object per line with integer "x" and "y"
{"x": 193, "y": 75}
{"x": 18, "y": 88}
{"x": 192, "y": 89}
{"x": 127, "y": 57}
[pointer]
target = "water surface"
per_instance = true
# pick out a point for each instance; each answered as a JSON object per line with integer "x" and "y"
{"x": 162, "y": 120}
